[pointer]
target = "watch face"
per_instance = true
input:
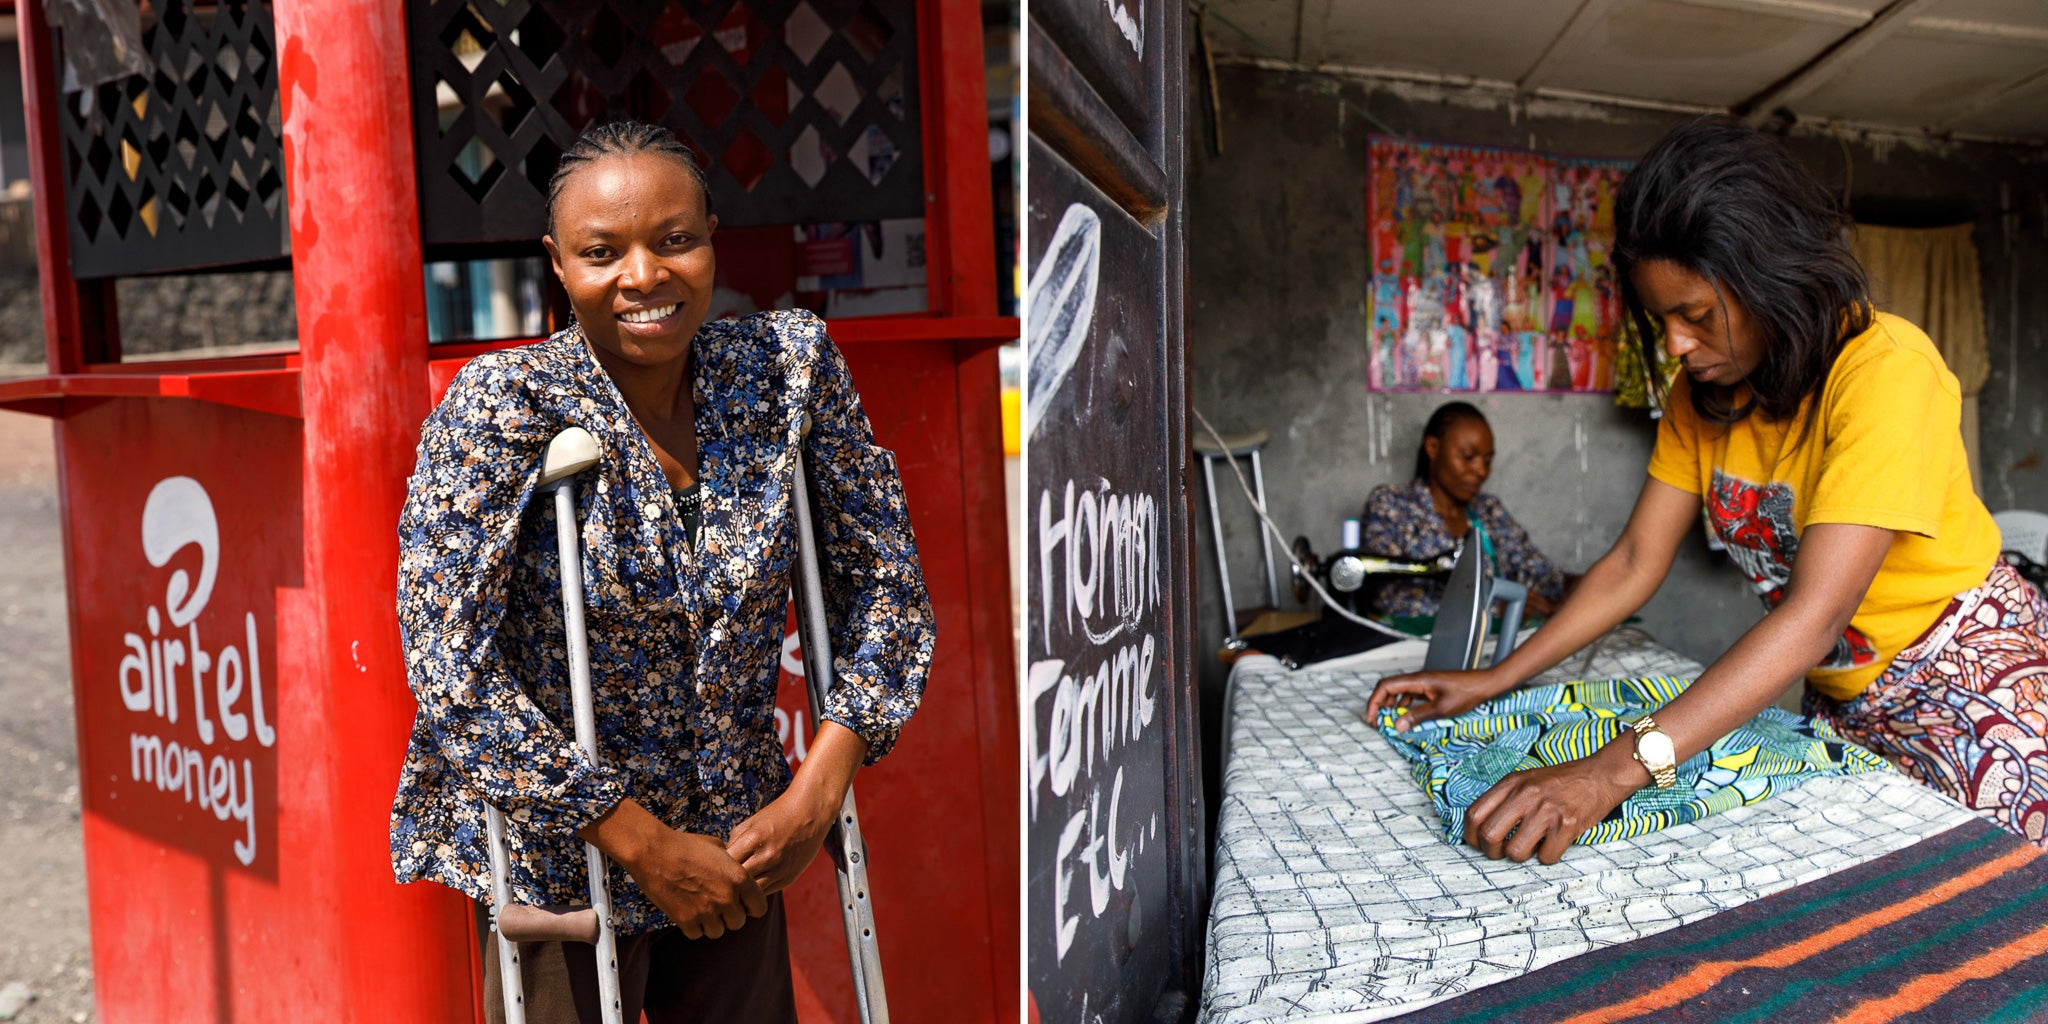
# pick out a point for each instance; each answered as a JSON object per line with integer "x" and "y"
{"x": 1655, "y": 747}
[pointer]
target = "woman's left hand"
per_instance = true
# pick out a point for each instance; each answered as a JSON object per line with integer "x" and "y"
{"x": 780, "y": 840}
{"x": 1540, "y": 812}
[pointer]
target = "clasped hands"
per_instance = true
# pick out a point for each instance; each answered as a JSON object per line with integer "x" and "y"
{"x": 1537, "y": 812}
{"x": 707, "y": 887}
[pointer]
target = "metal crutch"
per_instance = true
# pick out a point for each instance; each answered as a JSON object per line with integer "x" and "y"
{"x": 1234, "y": 447}
{"x": 848, "y": 848}
{"x": 571, "y": 452}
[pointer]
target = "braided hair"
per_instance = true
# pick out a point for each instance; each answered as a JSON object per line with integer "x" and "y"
{"x": 622, "y": 138}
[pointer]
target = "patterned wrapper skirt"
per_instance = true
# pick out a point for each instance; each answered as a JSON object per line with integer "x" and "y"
{"x": 1964, "y": 709}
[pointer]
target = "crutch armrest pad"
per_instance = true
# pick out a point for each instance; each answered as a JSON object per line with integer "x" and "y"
{"x": 522, "y": 923}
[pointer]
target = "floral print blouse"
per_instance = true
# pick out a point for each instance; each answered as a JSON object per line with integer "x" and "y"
{"x": 685, "y": 639}
{"x": 1402, "y": 522}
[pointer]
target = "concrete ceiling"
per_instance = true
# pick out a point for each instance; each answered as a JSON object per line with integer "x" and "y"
{"x": 1963, "y": 68}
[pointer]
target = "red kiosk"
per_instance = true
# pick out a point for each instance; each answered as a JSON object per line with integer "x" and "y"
{"x": 229, "y": 522}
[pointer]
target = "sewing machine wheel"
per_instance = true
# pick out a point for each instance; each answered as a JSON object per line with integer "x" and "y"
{"x": 1304, "y": 563}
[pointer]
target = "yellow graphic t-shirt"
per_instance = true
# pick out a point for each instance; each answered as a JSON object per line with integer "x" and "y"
{"x": 1885, "y": 451}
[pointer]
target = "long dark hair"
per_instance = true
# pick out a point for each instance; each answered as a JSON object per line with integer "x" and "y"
{"x": 1440, "y": 421}
{"x": 1730, "y": 204}
{"x": 622, "y": 138}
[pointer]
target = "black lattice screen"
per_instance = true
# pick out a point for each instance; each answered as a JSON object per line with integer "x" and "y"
{"x": 183, "y": 169}
{"x": 803, "y": 112}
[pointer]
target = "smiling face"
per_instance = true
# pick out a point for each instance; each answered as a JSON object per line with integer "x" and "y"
{"x": 1705, "y": 328}
{"x": 632, "y": 245}
{"x": 1461, "y": 459}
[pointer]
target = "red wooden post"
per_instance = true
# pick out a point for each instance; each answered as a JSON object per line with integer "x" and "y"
{"x": 356, "y": 266}
{"x": 960, "y": 212}
{"x": 961, "y": 283}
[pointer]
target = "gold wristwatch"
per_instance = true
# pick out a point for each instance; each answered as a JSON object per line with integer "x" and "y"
{"x": 1655, "y": 752}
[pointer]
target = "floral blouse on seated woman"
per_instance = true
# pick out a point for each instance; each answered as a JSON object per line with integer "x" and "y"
{"x": 1432, "y": 514}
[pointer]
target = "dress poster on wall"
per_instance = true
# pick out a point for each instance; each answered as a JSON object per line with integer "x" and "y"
{"x": 1490, "y": 269}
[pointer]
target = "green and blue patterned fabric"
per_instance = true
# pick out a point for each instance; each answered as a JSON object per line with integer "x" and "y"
{"x": 1457, "y": 759}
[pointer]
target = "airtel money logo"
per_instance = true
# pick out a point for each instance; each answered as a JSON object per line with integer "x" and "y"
{"x": 169, "y": 673}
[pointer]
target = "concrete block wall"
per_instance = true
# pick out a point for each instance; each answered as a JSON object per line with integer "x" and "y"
{"x": 196, "y": 314}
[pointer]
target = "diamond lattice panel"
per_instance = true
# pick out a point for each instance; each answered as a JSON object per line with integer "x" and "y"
{"x": 802, "y": 111}
{"x": 182, "y": 169}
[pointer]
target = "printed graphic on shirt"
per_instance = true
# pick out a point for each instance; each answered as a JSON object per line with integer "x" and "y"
{"x": 1756, "y": 525}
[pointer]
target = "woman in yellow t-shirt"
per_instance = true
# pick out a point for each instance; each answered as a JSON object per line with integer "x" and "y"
{"x": 1823, "y": 438}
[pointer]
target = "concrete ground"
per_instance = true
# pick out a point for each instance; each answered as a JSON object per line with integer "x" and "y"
{"x": 44, "y": 945}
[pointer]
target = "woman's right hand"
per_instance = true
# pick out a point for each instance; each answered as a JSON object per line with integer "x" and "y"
{"x": 1429, "y": 695}
{"x": 697, "y": 884}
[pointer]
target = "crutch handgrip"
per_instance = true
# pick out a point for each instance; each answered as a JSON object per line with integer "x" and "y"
{"x": 570, "y": 452}
{"x": 522, "y": 923}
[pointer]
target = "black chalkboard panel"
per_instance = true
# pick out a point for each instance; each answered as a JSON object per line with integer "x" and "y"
{"x": 1116, "y": 870}
{"x": 1110, "y": 41}
{"x": 1095, "y": 681}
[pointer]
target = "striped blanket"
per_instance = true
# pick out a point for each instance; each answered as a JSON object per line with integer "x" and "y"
{"x": 1950, "y": 930}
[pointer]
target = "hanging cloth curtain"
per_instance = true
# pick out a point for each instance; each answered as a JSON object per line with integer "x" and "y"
{"x": 1632, "y": 389}
{"x": 1929, "y": 276}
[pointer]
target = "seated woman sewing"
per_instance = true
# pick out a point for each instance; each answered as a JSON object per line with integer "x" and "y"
{"x": 1442, "y": 506}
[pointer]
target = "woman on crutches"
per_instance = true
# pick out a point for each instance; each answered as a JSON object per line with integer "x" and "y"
{"x": 686, "y": 521}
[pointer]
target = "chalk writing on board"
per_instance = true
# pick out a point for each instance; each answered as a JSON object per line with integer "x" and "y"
{"x": 1062, "y": 306}
{"x": 1092, "y": 688}
{"x": 1131, "y": 25}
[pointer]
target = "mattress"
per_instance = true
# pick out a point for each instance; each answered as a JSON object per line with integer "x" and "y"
{"x": 1336, "y": 897}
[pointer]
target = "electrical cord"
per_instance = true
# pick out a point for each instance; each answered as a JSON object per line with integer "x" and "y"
{"x": 1328, "y": 601}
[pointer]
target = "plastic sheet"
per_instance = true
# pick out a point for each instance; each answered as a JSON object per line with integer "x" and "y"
{"x": 101, "y": 41}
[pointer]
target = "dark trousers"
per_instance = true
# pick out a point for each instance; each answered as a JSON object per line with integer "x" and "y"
{"x": 740, "y": 976}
